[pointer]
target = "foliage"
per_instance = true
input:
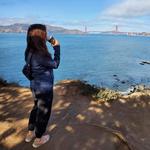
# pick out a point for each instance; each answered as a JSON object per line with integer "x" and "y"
{"x": 5, "y": 82}
{"x": 106, "y": 95}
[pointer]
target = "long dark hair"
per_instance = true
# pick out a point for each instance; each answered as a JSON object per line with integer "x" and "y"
{"x": 36, "y": 40}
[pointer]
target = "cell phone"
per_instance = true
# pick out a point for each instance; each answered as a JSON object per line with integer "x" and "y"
{"x": 51, "y": 39}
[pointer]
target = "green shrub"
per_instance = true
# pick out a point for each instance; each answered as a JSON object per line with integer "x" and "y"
{"x": 106, "y": 95}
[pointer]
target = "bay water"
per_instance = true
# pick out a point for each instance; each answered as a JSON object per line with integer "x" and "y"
{"x": 111, "y": 61}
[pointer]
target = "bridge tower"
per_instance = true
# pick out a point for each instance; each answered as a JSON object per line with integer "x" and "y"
{"x": 85, "y": 29}
{"x": 116, "y": 28}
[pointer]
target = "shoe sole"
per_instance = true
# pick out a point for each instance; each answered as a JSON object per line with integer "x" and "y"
{"x": 29, "y": 140}
{"x": 26, "y": 140}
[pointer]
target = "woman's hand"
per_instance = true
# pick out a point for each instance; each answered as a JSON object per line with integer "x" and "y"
{"x": 55, "y": 43}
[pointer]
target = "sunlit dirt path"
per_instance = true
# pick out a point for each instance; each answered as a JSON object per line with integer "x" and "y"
{"x": 77, "y": 122}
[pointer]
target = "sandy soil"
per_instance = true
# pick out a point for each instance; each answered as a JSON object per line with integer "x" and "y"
{"x": 77, "y": 121}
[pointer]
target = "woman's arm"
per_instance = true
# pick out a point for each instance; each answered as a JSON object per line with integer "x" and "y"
{"x": 55, "y": 62}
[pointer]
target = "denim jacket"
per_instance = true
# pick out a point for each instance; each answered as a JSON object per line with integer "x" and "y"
{"x": 42, "y": 71}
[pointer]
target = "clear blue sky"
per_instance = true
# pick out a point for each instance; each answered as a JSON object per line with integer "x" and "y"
{"x": 130, "y": 15}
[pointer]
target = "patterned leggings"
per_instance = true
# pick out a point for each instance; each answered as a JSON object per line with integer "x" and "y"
{"x": 40, "y": 112}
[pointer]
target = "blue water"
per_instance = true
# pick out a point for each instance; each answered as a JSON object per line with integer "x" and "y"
{"x": 93, "y": 58}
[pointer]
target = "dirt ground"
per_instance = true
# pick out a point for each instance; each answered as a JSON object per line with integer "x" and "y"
{"x": 77, "y": 121}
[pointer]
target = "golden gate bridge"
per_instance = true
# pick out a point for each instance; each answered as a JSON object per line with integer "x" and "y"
{"x": 116, "y": 30}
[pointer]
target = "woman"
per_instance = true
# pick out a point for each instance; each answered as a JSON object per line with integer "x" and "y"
{"x": 41, "y": 85}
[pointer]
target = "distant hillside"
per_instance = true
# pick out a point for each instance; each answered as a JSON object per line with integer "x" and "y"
{"x": 19, "y": 28}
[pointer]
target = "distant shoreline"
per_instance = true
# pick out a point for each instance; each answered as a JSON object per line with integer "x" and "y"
{"x": 21, "y": 28}
{"x": 84, "y": 34}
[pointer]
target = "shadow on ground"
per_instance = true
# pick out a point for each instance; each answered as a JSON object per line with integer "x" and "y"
{"x": 77, "y": 122}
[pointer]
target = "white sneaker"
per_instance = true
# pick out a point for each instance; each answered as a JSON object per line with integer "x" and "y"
{"x": 43, "y": 140}
{"x": 29, "y": 137}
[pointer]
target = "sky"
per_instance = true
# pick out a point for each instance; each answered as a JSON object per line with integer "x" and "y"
{"x": 97, "y": 15}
